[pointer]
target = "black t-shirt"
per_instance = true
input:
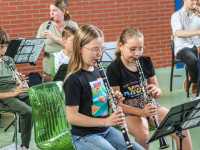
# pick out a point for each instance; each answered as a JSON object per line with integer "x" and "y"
{"x": 87, "y": 90}
{"x": 129, "y": 81}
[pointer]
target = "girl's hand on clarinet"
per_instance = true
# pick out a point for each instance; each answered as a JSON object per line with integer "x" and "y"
{"x": 24, "y": 78}
{"x": 148, "y": 110}
{"x": 116, "y": 118}
{"x": 153, "y": 89}
{"x": 20, "y": 89}
{"x": 118, "y": 95}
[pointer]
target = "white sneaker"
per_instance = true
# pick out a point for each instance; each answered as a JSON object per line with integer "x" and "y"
{"x": 23, "y": 148}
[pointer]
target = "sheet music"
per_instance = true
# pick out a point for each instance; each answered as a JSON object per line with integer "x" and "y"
{"x": 29, "y": 50}
{"x": 191, "y": 123}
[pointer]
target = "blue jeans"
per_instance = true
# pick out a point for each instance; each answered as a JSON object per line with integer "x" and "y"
{"x": 112, "y": 139}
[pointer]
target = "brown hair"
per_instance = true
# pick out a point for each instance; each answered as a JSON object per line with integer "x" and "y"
{"x": 68, "y": 31}
{"x": 83, "y": 36}
{"x": 61, "y": 5}
{"x": 4, "y": 37}
{"x": 125, "y": 36}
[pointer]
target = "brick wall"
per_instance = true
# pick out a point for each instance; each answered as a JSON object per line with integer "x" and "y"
{"x": 22, "y": 18}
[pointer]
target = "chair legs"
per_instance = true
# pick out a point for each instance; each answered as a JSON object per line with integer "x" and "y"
{"x": 14, "y": 123}
{"x": 171, "y": 78}
{"x": 187, "y": 80}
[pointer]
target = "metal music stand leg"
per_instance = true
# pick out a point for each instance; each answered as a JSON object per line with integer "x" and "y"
{"x": 181, "y": 137}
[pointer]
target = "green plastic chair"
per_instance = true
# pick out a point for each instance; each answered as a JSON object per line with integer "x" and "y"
{"x": 52, "y": 60}
{"x": 105, "y": 64}
{"x": 52, "y": 131}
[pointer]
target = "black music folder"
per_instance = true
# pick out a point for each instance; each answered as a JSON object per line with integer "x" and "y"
{"x": 179, "y": 118}
{"x": 61, "y": 73}
{"x": 25, "y": 50}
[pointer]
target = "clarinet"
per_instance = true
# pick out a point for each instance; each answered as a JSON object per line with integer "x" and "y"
{"x": 149, "y": 99}
{"x": 14, "y": 71}
{"x": 113, "y": 103}
{"x": 48, "y": 26}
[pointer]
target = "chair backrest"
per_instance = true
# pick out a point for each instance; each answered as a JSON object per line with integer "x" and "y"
{"x": 52, "y": 131}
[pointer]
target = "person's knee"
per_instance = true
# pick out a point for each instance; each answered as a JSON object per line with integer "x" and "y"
{"x": 143, "y": 135}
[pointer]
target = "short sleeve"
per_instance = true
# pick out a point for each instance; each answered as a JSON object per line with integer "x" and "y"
{"x": 113, "y": 74}
{"x": 152, "y": 70}
{"x": 175, "y": 23}
{"x": 57, "y": 63}
{"x": 72, "y": 89}
{"x": 75, "y": 25}
{"x": 12, "y": 62}
{"x": 39, "y": 33}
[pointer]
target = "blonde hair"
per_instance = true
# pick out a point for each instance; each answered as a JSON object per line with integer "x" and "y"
{"x": 125, "y": 36}
{"x": 83, "y": 36}
{"x": 61, "y": 5}
{"x": 4, "y": 37}
{"x": 68, "y": 31}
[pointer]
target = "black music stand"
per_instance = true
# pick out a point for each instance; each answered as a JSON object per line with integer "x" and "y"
{"x": 179, "y": 118}
{"x": 25, "y": 50}
{"x": 61, "y": 73}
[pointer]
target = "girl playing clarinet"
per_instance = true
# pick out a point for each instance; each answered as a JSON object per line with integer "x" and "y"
{"x": 86, "y": 97}
{"x": 123, "y": 76}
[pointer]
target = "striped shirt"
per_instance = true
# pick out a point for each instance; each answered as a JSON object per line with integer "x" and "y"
{"x": 180, "y": 20}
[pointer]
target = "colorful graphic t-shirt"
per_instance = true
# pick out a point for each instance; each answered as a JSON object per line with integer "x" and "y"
{"x": 129, "y": 81}
{"x": 86, "y": 89}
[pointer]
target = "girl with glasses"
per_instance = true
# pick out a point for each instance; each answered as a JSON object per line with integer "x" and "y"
{"x": 86, "y": 96}
{"x": 124, "y": 76}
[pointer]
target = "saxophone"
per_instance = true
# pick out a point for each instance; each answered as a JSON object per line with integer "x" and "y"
{"x": 14, "y": 71}
{"x": 149, "y": 99}
{"x": 113, "y": 103}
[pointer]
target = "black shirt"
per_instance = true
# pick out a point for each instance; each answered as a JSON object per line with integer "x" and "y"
{"x": 87, "y": 90}
{"x": 129, "y": 81}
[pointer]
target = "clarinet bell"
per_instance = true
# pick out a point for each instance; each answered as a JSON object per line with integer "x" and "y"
{"x": 163, "y": 143}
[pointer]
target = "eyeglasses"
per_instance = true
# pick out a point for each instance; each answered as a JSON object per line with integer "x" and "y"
{"x": 2, "y": 47}
{"x": 133, "y": 49}
{"x": 96, "y": 50}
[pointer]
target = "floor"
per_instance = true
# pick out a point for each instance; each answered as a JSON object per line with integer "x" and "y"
{"x": 168, "y": 99}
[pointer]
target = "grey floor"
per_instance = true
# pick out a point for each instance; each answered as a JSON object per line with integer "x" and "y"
{"x": 168, "y": 99}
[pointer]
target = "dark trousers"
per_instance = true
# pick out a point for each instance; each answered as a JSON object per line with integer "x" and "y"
{"x": 22, "y": 108}
{"x": 189, "y": 57}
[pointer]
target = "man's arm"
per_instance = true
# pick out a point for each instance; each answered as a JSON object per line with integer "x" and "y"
{"x": 186, "y": 33}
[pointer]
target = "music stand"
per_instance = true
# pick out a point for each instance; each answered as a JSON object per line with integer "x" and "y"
{"x": 62, "y": 71}
{"x": 25, "y": 50}
{"x": 179, "y": 118}
{"x": 109, "y": 54}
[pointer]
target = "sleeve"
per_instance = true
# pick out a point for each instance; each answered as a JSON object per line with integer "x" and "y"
{"x": 12, "y": 62}
{"x": 57, "y": 63}
{"x": 113, "y": 74}
{"x": 74, "y": 24}
{"x": 39, "y": 33}
{"x": 176, "y": 23}
{"x": 152, "y": 70}
{"x": 72, "y": 89}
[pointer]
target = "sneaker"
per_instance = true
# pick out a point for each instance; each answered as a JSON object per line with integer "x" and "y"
{"x": 194, "y": 88}
{"x": 23, "y": 148}
{"x": 185, "y": 83}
